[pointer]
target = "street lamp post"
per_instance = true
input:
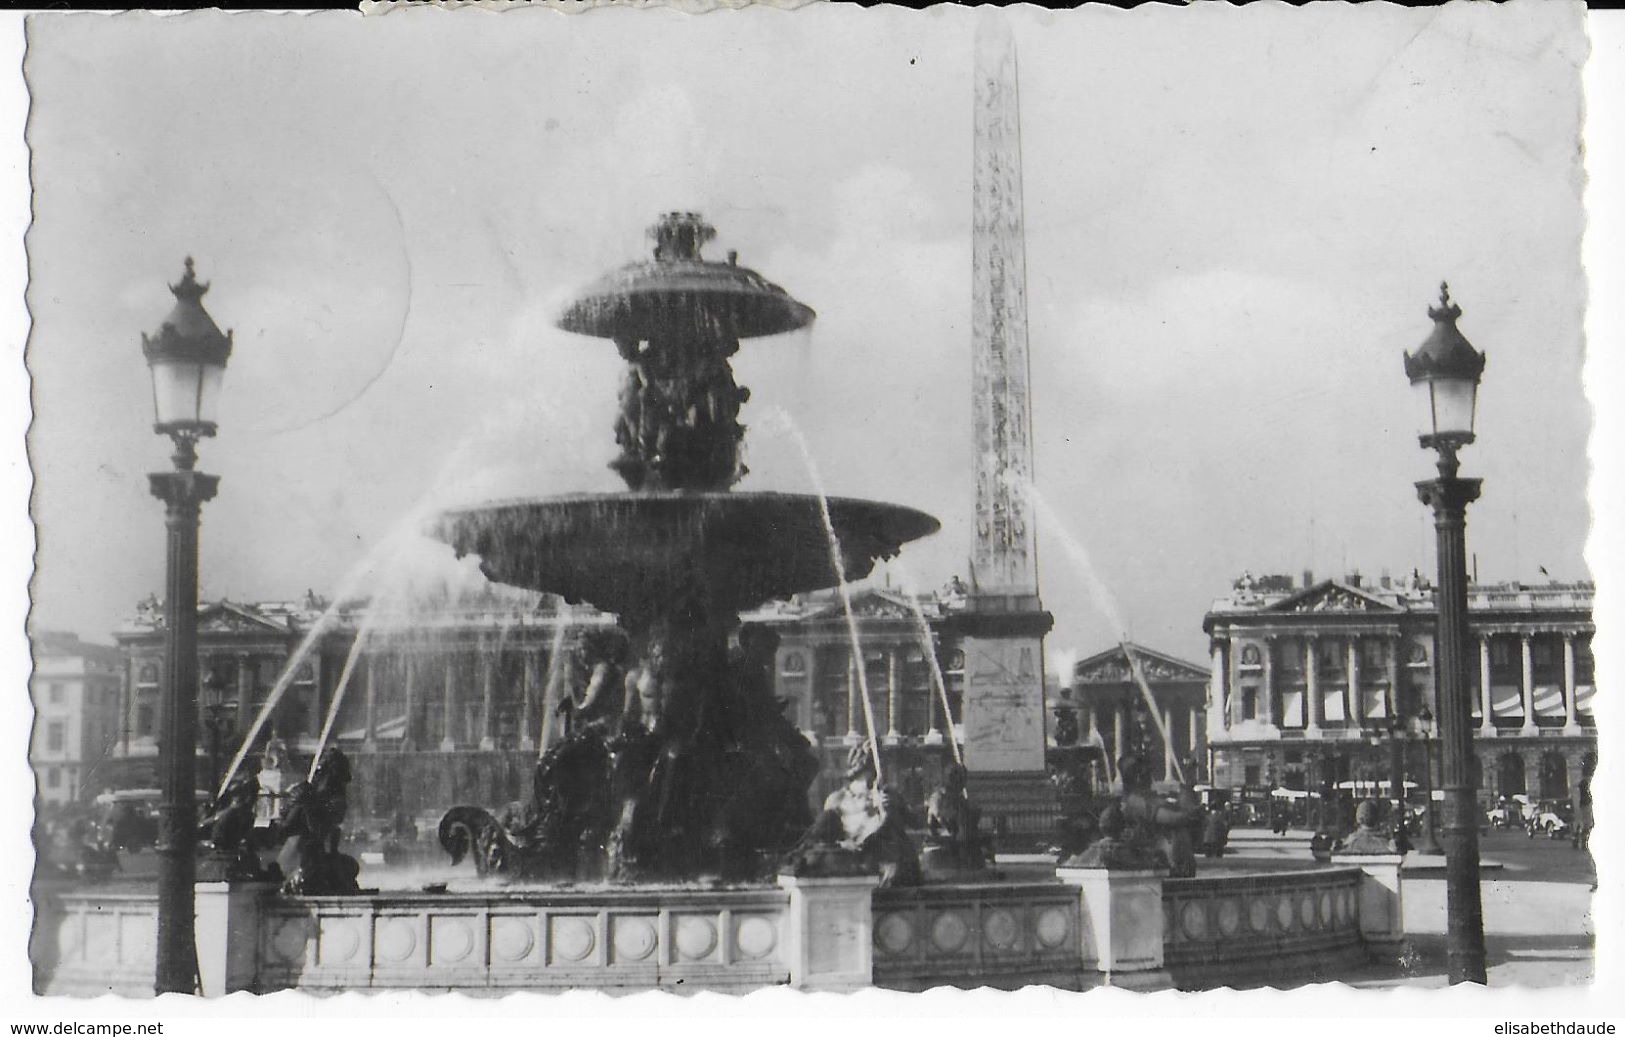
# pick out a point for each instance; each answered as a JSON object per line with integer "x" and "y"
{"x": 1426, "y": 842}
{"x": 1446, "y": 370}
{"x": 187, "y": 359}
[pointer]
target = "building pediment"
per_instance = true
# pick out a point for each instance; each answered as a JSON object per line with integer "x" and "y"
{"x": 223, "y": 617}
{"x": 867, "y": 603}
{"x": 1331, "y": 596}
{"x": 1112, "y": 667}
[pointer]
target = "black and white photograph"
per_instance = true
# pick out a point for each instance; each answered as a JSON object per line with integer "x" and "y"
{"x": 839, "y": 499}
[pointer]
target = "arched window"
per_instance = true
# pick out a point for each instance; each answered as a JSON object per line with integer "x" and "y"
{"x": 1250, "y": 656}
{"x": 1418, "y": 655}
{"x": 795, "y": 663}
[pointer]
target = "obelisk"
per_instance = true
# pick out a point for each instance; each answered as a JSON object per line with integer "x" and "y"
{"x": 1004, "y": 624}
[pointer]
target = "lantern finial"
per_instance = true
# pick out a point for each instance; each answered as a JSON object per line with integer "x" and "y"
{"x": 189, "y": 289}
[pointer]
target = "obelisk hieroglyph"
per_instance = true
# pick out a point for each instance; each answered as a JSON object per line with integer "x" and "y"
{"x": 1005, "y": 560}
{"x": 1005, "y": 623}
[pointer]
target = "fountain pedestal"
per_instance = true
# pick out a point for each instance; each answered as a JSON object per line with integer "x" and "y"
{"x": 228, "y": 935}
{"x": 831, "y": 937}
{"x": 1382, "y": 903}
{"x": 1120, "y": 912}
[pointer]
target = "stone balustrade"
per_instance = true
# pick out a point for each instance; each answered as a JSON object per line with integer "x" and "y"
{"x": 1005, "y": 935}
{"x": 1241, "y": 929}
{"x": 96, "y": 943}
{"x": 731, "y": 939}
{"x": 1090, "y": 927}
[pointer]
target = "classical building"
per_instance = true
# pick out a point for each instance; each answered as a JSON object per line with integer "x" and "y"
{"x": 75, "y": 693}
{"x": 1310, "y": 679}
{"x": 447, "y": 703}
{"x": 1108, "y": 705}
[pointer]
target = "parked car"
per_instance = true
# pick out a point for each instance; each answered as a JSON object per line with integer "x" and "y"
{"x": 1552, "y": 819}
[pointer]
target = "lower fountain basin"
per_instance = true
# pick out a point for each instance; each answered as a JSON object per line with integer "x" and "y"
{"x": 620, "y": 552}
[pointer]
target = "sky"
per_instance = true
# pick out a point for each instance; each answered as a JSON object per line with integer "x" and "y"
{"x": 1236, "y": 221}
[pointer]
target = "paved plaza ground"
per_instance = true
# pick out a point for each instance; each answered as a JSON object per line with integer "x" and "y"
{"x": 1538, "y": 927}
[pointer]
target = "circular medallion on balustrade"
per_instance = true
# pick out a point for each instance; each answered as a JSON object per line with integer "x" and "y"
{"x": 1001, "y": 930}
{"x": 573, "y": 938}
{"x": 1229, "y": 917}
{"x": 1325, "y": 908}
{"x": 288, "y": 940}
{"x": 1258, "y": 915}
{"x": 396, "y": 940}
{"x": 340, "y": 939}
{"x": 1283, "y": 914}
{"x": 512, "y": 939}
{"x": 1306, "y": 910}
{"x": 756, "y": 937}
{"x": 451, "y": 939}
{"x": 894, "y": 934}
{"x": 949, "y": 932}
{"x": 635, "y": 939}
{"x": 695, "y": 937}
{"x": 1193, "y": 920}
{"x": 1053, "y": 928}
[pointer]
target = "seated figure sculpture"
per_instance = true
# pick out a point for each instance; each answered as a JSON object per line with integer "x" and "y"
{"x": 955, "y": 846}
{"x": 862, "y": 831}
{"x": 310, "y": 860}
{"x": 228, "y": 831}
{"x": 1369, "y": 833}
{"x": 1144, "y": 829}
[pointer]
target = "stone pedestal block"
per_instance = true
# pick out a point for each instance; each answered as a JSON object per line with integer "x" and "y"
{"x": 228, "y": 932}
{"x": 831, "y": 932}
{"x": 1382, "y": 903}
{"x": 1120, "y": 912}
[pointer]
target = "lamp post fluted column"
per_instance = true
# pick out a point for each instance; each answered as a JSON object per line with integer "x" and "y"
{"x": 1445, "y": 371}
{"x": 183, "y": 492}
{"x": 1449, "y": 496}
{"x": 187, "y": 360}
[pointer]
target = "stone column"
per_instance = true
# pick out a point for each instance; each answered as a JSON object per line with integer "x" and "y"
{"x": 1267, "y": 710}
{"x": 1233, "y": 691}
{"x": 370, "y": 719}
{"x": 1118, "y": 728}
{"x": 1311, "y": 689}
{"x": 1356, "y": 703}
{"x": 1218, "y": 715}
{"x": 1526, "y": 643}
{"x": 408, "y": 734}
{"x": 1193, "y": 731}
{"x": 894, "y": 695}
{"x": 448, "y": 740}
{"x": 1485, "y": 699}
{"x": 528, "y": 708}
{"x": 1120, "y": 930}
{"x": 933, "y": 734}
{"x": 830, "y": 943}
{"x": 314, "y": 718}
{"x": 245, "y": 691}
{"x": 853, "y": 690}
{"x": 1395, "y": 646}
{"x": 1571, "y": 717}
{"x": 488, "y": 713}
{"x": 1168, "y": 744}
{"x": 126, "y": 703}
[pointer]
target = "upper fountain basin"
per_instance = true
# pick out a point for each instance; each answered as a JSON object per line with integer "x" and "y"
{"x": 637, "y": 552}
{"x": 644, "y": 300}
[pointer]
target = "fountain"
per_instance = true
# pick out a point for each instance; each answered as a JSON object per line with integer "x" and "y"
{"x": 677, "y": 763}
